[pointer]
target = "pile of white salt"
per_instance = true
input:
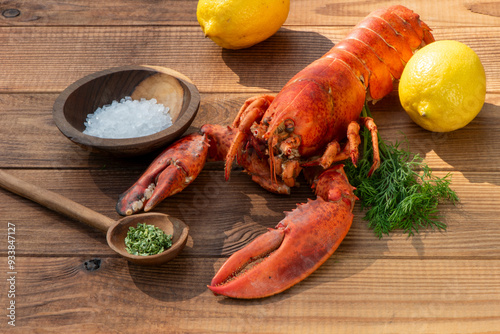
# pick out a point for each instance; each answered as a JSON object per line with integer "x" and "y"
{"x": 128, "y": 119}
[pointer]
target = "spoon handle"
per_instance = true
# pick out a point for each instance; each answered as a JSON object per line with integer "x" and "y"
{"x": 55, "y": 202}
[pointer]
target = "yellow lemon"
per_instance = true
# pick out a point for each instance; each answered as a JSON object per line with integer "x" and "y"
{"x": 238, "y": 24}
{"x": 443, "y": 86}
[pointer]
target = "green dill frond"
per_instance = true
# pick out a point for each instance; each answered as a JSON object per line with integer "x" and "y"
{"x": 402, "y": 194}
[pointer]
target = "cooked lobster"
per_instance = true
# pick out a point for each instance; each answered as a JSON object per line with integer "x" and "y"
{"x": 312, "y": 123}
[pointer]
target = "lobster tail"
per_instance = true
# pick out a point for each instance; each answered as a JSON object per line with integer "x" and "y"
{"x": 380, "y": 45}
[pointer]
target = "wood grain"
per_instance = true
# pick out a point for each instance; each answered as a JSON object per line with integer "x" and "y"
{"x": 221, "y": 232}
{"x": 176, "y": 13}
{"x": 350, "y": 295}
{"x": 43, "y": 146}
{"x": 55, "y": 62}
{"x": 69, "y": 281}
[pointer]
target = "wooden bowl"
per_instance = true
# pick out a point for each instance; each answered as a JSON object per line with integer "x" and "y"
{"x": 83, "y": 97}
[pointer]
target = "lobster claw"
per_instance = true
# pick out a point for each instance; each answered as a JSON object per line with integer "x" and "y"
{"x": 300, "y": 243}
{"x": 173, "y": 170}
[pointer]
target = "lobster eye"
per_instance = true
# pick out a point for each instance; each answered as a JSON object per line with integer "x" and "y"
{"x": 289, "y": 125}
{"x": 266, "y": 121}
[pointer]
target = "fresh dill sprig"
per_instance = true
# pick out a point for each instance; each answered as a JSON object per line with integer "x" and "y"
{"x": 402, "y": 193}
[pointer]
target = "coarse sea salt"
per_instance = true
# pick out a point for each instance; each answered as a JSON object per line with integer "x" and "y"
{"x": 128, "y": 119}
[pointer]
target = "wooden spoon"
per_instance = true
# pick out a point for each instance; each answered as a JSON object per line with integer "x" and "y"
{"x": 116, "y": 231}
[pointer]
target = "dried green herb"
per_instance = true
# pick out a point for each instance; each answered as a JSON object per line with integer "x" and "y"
{"x": 403, "y": 193}
{"x": 147, "y": 240}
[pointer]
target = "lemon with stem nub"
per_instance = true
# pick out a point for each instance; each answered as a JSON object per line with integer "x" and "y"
{"x": 443, "y": 86}
{"x": 238, "y": 24}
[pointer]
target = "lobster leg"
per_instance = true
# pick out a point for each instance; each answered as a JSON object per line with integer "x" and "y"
{"x": 370, "y": 125}
{"x": 251, "y": 111}
{"x": 333, "y": 152}
{"x": 299, "y": 244}
{"x": 175, "y": 168}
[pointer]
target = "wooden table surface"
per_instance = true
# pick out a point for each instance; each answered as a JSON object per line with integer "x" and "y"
{"x": 67, "y": 280}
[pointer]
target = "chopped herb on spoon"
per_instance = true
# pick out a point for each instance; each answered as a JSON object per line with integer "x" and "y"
{"x": 402, "y": 193}
{"x": 147, "y": 240}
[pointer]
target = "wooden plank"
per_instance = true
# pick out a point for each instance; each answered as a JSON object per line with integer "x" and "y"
{"x": 95, "y": 13}
{"x": 443, "y": 13}
{"x": 54, "y": 60}
{"x": 346, "y": 295}
{"x": 171, "y": 12}
{"x": 31, "y": 139}
{"x": 48, "y": 59}
{"x": 217, "y": 231}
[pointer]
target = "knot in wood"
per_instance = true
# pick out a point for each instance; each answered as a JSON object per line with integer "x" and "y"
{"x": 11, "y": 12}
{"x": 92, "y": 265}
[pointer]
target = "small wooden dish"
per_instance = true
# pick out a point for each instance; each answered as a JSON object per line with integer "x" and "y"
{"x": 170, "y": 225}
{"x": 84, "y": 96}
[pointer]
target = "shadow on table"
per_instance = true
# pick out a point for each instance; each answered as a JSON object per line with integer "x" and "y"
{"x": 478, "y": 142}
{"x": 270, "y": 64}
{"x": 470, "y": 150}
{"x": 180, "y": 279}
